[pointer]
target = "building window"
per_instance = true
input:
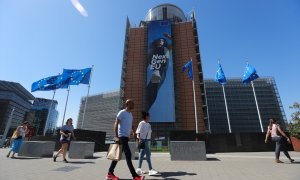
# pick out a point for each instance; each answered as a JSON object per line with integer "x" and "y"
{"x": 164, "y": 13}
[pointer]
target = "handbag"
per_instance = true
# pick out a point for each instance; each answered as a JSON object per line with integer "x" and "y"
{"x": 114, "y": 152}
{"x": 141, "y": 145}
{"x": 15, "y": 135}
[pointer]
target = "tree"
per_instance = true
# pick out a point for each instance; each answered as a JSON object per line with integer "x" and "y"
{"x": 294, "y": 125}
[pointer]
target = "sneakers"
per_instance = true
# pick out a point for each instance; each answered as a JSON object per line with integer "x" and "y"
{"x": 139, "y": 178}
{"x": 292, "y": 160}
{"x": 139, "y": 171}
{"x": 153, "y": 172}
{"x": 111, "y": 176}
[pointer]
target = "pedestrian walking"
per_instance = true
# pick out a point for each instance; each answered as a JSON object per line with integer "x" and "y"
{"x": 122, "y": 129}
{"x": 65, "y": 137}
{"x": 144, "y": 138}
{"x": 280, "y": 138}
{"x": 19, "y": 136}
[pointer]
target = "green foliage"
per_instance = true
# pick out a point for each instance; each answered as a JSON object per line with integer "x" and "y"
{"x": 294, "y": 125}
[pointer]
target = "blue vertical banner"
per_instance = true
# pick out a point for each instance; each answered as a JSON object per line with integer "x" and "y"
{"x": 160, "y": 82}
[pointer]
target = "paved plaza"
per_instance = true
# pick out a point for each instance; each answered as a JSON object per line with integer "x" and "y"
{"x": 219, "y": 166}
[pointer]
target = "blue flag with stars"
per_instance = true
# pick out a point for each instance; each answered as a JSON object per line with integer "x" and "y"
{"x": 250, "y": 74}
{"x": 47, "y": 84}
{"x": 189, "y": 66}
{"x": 75, "y": 76}
{"x": 220, "y": 76}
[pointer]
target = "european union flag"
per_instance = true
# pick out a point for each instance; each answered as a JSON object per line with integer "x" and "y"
{"x": 250, "y": 74}
{"x": 189, "y": 65}
{"x": 75, "y": 76}
{"x": 45, "y": 84}
{"x": 220, "y": 76}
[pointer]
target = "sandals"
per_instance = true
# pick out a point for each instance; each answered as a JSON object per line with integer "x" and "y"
{"x": 54, "y": 158}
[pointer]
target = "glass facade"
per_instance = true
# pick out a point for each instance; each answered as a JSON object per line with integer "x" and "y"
{"x": 243, "y": 114}
{"x": 43, "y": 123}
{"x": 13, "y": 95}
{"x": 101, "y": 112}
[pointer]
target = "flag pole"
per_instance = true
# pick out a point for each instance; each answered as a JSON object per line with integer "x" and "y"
{"x": 195, "y": 104}
{"x": 86, "y": 99}
{"x": 47, "y": 120}
{"x": 62, "y": 124}
{"x": 226, "y": 108}
{"x": 261, "y": 126}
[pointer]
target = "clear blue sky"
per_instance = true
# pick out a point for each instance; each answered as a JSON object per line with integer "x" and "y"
{"x": 40, "y": 38}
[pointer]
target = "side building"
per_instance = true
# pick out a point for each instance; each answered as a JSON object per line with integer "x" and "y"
{"x": 101, "y": 111}
{"x": 13, "y": 96}
{"x": 243, "y": 114}
{"x": 45, "y": 116}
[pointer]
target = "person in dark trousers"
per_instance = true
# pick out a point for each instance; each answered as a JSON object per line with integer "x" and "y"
{"x": 278, "y": 136}
{"x": 122, "y": 129}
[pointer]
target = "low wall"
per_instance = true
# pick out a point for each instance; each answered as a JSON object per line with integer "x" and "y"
{"x": 235, "y": 142}
{"x": 37, "y": 148}
{"x": 81, "y": 150}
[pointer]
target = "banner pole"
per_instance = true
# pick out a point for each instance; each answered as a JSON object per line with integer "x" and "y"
{"x": 261, "y": 126}
{"x": 226, "y": 108}
{"x": 86, "y": 99}
{"x": 195, "y": 104}
{"x": 62, "y": 124}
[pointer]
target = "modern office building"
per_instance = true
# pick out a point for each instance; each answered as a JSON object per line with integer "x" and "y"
{"x": 243, "y": 114}
{"x": 45, "y": 116}
{"x": 13, "y": 96}
{"x": 154, "y": 54}
{"x": 100, "y": 114}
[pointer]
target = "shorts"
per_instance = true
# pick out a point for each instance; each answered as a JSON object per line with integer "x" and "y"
{"x": 63, "y": 141}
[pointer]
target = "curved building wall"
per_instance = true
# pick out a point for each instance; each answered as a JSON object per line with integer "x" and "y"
{"x": 164, "y": 12}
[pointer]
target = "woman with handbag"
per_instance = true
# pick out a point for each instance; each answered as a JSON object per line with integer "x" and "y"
{"x": 278, "y": 136}
{"x": 18, "y": 136}
{"x": 144, "y": 137}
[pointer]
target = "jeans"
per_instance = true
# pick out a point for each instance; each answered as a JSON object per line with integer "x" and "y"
{"x": 148, "y": 154}
{"x": 126, "y": 149}
{"x": 279, "y": 142}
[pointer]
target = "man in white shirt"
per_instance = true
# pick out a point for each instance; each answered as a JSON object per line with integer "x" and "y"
{"x": 122, "y": 129}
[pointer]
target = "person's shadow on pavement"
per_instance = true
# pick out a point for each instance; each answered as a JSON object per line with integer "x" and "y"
{"x": 169, "y": 175}
{"x": 173, "y": 175}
